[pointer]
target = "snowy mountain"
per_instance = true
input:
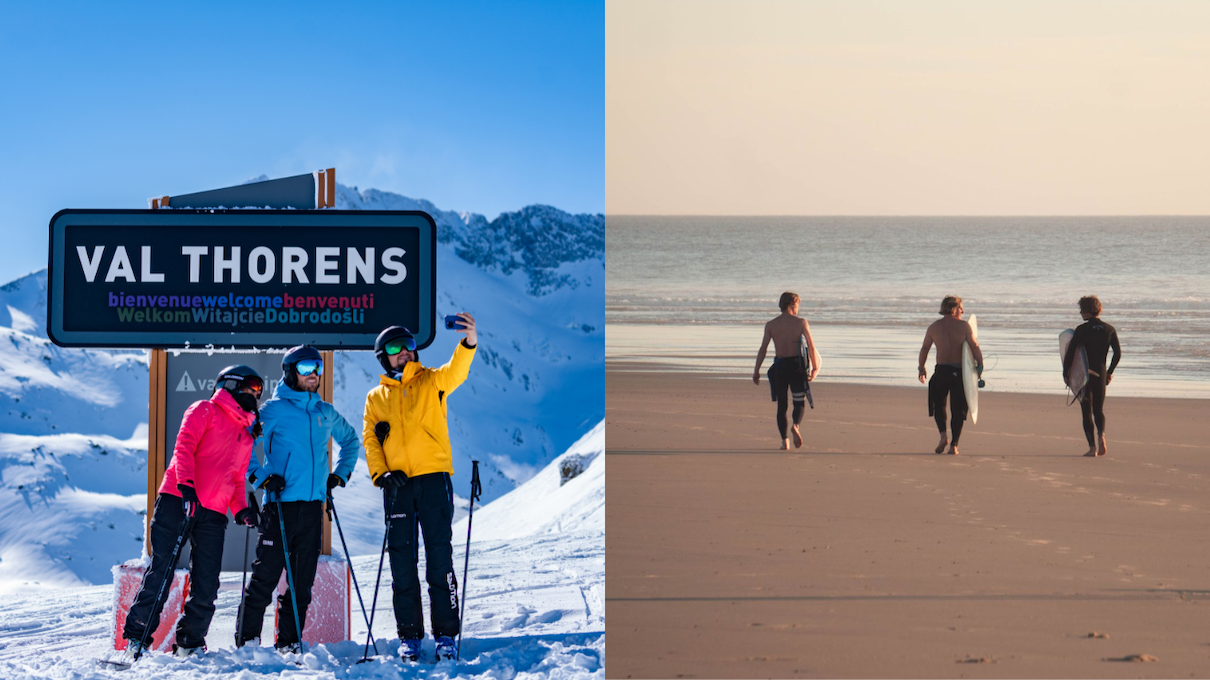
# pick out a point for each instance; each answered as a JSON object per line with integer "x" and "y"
{"x": 535, "y": 602}
{"x": 73, "y": 422}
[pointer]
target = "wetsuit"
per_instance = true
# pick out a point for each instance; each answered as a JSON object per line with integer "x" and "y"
{"x": 1096, "y": 337}
{"x": 947, "y": 381}
{"x": 791, "y": 373}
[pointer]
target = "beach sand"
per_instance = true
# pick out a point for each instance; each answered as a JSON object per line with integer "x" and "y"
{"x": 864, "y": 554}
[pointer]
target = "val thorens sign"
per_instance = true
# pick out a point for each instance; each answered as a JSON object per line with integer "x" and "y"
{"x": 202, "y": 287}
{"x": 239, "y": 278}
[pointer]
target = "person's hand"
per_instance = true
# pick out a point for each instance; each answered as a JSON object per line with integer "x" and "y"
{"x": 274, "y": 483}
{"x": 334, "y": 481}
{"x": 189, "y": 502}
{"x": 391, "y": 479}
{"x": 468, "y": 327}
{"x": 756, "y": 376}
{"x": 922, "y": 374}
{"x": 246, "y": 517}
{"x": 1108, "y": 378}
{"x": 814, "y": 372}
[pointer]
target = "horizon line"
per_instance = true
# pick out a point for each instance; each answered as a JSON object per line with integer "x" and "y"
{"x": 608, "y": 215}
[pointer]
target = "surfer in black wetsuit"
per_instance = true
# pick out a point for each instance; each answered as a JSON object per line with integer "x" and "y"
{"x": 792, "y": 368}
{"x": 1096, "y": 337}
{"x": 948, "y": 333}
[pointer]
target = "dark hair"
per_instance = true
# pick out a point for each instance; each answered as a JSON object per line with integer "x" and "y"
{"x": 1090, "y": 304}
{"x": 950, "y": 303}
{"x": 787, "y": 299}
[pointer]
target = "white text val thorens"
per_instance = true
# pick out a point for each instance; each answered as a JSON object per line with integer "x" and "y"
{"x": 228, "y": 264}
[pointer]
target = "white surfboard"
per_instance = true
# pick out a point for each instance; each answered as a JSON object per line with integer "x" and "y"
{"x": 1077, "y": 374}
{"x": 970, "y": 377}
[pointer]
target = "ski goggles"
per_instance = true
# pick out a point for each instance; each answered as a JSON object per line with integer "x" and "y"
{"x": 397, "y": 345}
{"x": 309, "y": 366}
{"x": 247, "y": 382}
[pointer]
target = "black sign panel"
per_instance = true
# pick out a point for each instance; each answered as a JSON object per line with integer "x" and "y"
{"x": 239, "y": 278}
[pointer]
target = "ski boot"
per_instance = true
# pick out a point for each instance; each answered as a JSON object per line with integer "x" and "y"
{"x": 250, "y": 642}
{"x": 409, "y": 650}
{"x": 186, "y": 652}
{"x": 445, "y": 648}
{"x": 290, "y": 648}
{"x": 134, "y": 650}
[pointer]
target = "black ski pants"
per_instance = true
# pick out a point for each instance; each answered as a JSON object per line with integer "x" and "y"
{"x": 205, "y": 535}
{"x": 424, "y": 505}
{"x": 304, "y": 529}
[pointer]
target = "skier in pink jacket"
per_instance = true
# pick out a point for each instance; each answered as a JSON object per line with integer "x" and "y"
{"x": 204, "y": 480}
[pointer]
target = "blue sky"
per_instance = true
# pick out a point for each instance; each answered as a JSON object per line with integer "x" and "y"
{"x": 477, "y": 106}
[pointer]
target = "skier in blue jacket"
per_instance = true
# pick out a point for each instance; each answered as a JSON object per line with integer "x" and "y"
{"x": 297, "y": 425}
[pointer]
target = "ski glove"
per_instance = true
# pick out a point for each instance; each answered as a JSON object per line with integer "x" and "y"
{"x": 391, "y": 479}
{"x": 274, "y": 483}
{"x": 246, "y": 517}
{"x": 334, "y": 481}
{"x": 189, "y": 501}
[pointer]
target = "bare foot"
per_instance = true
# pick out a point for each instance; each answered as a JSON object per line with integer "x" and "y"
{"x": 941, "y": 447}
{"x": 1092, "y": 453}
{"x": 797, "y": 437}
{"x": 953, "y": 450}
{"x": 785, "y": 445}
{"x": 1102, "y": 449}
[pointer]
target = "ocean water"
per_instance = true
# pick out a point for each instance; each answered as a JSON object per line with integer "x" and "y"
{"x": 694, "y": 292}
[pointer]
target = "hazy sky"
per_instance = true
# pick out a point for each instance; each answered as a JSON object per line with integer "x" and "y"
{"x": 480, "y": 106}
{"x": 923, "y": 107}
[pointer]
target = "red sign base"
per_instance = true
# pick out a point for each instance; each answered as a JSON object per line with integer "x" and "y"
{"x": 126, "y": 582}
{"x": 329, "y": 616}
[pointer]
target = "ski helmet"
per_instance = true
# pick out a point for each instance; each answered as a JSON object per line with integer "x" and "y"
{"x": 392, "y": 341}
{"x": 235, "y": 378}
{"x": 291, "y": 360}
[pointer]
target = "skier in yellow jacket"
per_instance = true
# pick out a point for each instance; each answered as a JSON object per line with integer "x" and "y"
{"x": 407, "y": 443}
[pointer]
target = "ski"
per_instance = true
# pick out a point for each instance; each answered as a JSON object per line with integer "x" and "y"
{"x": 118, "y": 664}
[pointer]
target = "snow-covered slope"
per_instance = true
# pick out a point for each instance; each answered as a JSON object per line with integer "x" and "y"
{"x": 535, "y": 603}
{"x": 534, "y": 280}
{"x": 549, "y": 505}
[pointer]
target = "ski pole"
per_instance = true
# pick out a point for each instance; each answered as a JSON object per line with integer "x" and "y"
{"x": 239, "y": 626}
{"x": 365, "y": 656}
{"x": 476, "y": 491}
{"x": 176, "y": 553}
{"x": 382, "y": 430}
{"x": 332, "y": 514}
{"x": 281, "y": 519}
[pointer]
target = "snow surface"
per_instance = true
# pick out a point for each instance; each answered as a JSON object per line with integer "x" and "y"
{"x": 535, "y": 603}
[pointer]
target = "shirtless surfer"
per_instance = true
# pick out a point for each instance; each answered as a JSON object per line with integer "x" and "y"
{"x": 948, "y": 333}
{"x": 790, "y": 369}
{"x": 1096, "y": 337}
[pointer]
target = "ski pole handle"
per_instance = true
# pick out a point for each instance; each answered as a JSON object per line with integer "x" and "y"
{"x": 476, "y": 487}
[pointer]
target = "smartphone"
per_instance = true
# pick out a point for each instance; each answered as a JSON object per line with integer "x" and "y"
{"x": 453, "y": 322}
